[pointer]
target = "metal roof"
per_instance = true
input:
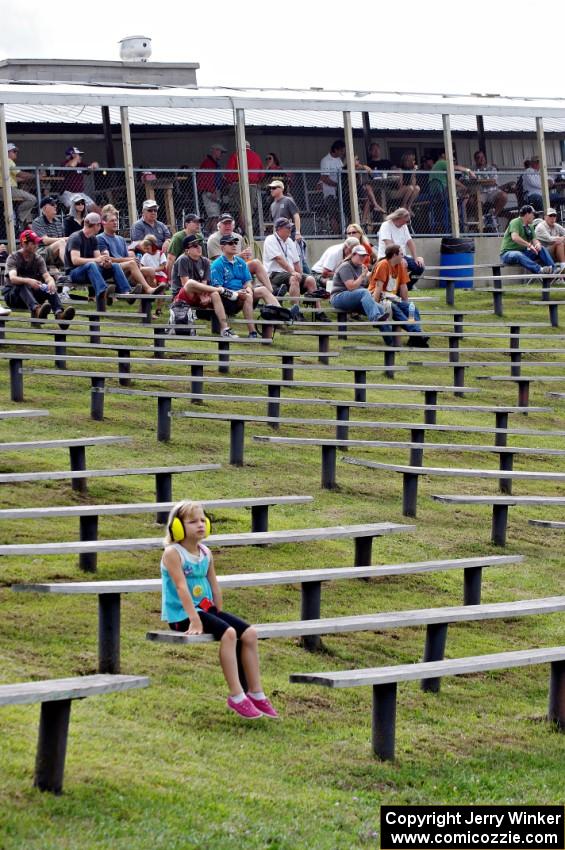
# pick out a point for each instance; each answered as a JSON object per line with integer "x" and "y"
{"x": 67, "y": 103}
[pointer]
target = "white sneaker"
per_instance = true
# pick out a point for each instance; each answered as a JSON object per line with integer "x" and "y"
{"x": 227, "y": 332}
{"x": 546, "y": 270}
{"x": 4, "y": 311}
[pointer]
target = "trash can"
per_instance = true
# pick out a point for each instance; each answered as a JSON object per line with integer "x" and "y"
{"x": 457, "y": 251}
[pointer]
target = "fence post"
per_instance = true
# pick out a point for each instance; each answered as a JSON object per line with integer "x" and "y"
{"x": 244, "y": 195}
{"x": 6, "y": 190}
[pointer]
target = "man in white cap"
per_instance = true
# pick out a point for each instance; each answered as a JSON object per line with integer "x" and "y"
{"x": 25, "y": 200}
{"x": 149, "y": 225}
{"x": 211, "y": 186}
{"x": 350, "y": 294}
{"x": 226, "y": 225}
{"x": 283, "y": 206}
{"x": 552, "y": 235}
{"x": 285, "y": 269}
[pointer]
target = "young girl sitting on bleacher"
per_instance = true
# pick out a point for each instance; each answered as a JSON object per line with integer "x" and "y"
{"x": 192, "y": 603}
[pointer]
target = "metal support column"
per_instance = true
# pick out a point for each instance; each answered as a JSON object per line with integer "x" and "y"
{"x": 350, "y": 165}
{"x": 128, "y": 165}
{"x": 5, "y": 176}
{"x": 542, "y": 162}
{"x": 244, "y": 195}
{"x": 451, "y": 190}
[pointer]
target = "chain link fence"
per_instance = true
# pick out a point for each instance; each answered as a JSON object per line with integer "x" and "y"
{"x": 486, "y": 199}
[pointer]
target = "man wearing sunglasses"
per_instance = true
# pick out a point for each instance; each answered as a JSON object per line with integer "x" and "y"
{"x": 552, "y": 236}
{"x": 231, "y": 273}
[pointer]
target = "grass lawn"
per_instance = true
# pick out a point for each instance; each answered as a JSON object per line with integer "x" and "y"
{"x": 169, "y": 767}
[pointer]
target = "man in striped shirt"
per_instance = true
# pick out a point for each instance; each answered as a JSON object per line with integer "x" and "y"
{"x": 49, "y": 227}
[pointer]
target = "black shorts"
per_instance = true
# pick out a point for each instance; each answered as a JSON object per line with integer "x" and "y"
{"x": 279, "y": 278}
{"x": 232, "y": 307}
{"x": 214, "y": 623}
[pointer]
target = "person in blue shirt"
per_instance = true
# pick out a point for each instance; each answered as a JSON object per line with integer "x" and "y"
{"x": 231, "y": 272}
{"x": 116, "y": 246}
{"x": 192, "y": 603}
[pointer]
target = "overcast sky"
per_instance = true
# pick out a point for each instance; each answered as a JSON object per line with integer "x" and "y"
{"x": 408, "y": 46}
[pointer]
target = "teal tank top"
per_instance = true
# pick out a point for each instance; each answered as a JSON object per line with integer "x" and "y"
{"x": 195, "y": 569}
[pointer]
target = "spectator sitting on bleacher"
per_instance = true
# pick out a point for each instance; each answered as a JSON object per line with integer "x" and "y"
{"x": 192, "y": 226}
{"x": 73, "y": 181}
{"x": 394, "y": 231}
{"x": 191, "y": 283}
{"x": 350, "y": 294}
{"x": 285, "y": 269}
{"x": 552, "y": 236}
{"x": 74, "y": 221}
{"x": 26, "y": 201}
{"x": 324, "y": 269}
{"x": 231, "y": 273}
{"x": 30, "y": 285}
{"x": 354, "y": 229}
{"x": 149, "y": 225}
{"x": 389, "y": 280}
{"x": 84, "y": 262}
{"x": 153, "y": 258}
{"x": 226, "y": 228}
{"x": 116, "y": 246}
{"x": 531, "y": 186}
{"x": 520, "y": 247}
{"x": 283, "y": 206}
{"x": 48, "y": 227}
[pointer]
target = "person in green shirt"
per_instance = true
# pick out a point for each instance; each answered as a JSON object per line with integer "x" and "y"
{"x": 192, "y": 225}
{"x": 520, "y": 247}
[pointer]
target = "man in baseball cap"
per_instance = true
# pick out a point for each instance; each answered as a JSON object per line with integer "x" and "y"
{"x": 552, "y": 236}
{"x": 284, "y": 268}
{"x": 192, "y": 226}
{"x": 29, "y": 284}
{"x": 283, "y": 206}
{"x": 25, "y": 200}
{"x": 149, "y": 225}
{"x": 73, "y": 178}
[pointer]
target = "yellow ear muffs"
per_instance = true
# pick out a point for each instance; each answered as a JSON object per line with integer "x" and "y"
{"x": 208, "y": 524}
{"x": 176, "y": 530}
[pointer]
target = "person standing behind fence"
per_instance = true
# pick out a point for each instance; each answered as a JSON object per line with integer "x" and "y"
{"x": 73, "y": 181}
{"x": 192, "y": 603}
{"x": 331, "y": 166}
{"x": 283, "y": 206}
{"x": 255, "y": 176}
{"x": 211, "y": 186}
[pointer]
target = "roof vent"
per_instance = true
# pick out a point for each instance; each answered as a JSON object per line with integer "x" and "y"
{"x": 135, "y": 48}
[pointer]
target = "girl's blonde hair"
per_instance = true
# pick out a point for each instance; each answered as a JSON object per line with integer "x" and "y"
{"x": 182, "y": 510}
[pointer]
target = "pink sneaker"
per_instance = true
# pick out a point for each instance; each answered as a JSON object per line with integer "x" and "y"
{"x": 245, "y": 708}
{"x": 263, "y": 705}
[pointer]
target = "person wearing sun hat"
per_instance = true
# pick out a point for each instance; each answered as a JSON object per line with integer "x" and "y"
{"x": 283, "y": 206}
{"x": 350, "y": 294}
{"x": 29, "y": 284}
{"x": 149, "y": 225}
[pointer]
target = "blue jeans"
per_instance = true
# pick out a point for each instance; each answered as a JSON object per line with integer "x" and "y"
{"x": 528, "y": 259}
{"x": 360, "y": 299}
{"x": 413, "y": 267}
{"x": 400, "y": 314}
{"x": 91, "y": 273}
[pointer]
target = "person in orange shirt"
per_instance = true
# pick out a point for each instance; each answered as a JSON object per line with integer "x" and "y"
{"x": 389, "y": 280}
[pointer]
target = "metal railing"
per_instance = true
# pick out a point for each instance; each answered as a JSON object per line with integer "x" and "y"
{"x": 485, "y": 202}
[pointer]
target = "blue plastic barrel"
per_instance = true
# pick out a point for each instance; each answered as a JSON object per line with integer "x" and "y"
{"x": 457, "y": 251}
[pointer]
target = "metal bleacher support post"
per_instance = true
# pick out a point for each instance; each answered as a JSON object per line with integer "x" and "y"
{"x": 542, "y": 162}
{"x": 350, "y": 160}
{"x": 451, "y": 189}
{"x": 6, "y": 190}
{"x": 128, "y": 165}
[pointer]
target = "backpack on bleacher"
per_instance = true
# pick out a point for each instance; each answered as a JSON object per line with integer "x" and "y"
{"x": 181, "y": 319}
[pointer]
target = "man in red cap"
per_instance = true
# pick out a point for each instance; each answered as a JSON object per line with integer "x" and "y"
{"x": 30, "y": 285}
